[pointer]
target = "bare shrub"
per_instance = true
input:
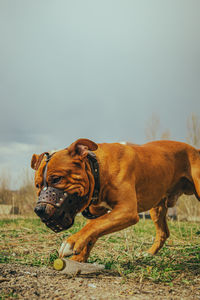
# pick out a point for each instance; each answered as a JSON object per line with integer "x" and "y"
{"x": 153, "y": 129}
{"x": 26, "y": 196}
{"x": 21, "y": 201}
{"x": 188, "y": 208}
{"x": 193, "y": 130}
{"x": 165, "y": 135}
{"x": 5, "y": 192}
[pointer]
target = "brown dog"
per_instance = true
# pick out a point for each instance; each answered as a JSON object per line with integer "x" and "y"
{"x": 127, "y": 179}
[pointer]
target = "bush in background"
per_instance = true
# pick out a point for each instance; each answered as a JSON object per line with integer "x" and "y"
{"x": 22, "y": 201}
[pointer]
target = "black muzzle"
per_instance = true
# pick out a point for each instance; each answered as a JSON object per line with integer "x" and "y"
{"x": 64, "y": 208}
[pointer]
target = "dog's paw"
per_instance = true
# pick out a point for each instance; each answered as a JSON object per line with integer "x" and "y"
{"x": 66, "y": 249}
{"x": 74, "y": 245}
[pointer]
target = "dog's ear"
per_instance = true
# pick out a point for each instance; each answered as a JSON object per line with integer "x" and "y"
{"x": 36, "y": 160}
{"x": 81, "y": 147}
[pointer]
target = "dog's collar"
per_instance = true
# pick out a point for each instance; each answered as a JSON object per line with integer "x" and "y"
{"x": 95, "y": 171}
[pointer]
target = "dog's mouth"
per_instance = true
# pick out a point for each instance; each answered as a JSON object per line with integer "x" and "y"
{"x": 61, "y": 223}
{"x": 57, "y": 209}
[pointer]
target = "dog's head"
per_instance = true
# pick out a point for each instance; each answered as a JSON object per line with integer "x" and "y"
{"x": 64, "y": 183}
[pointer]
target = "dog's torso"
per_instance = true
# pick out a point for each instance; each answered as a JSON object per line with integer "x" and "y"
{"x": 155, "y": 170}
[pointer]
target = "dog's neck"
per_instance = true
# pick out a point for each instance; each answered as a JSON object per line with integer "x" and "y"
{"x": 95, "y": 172}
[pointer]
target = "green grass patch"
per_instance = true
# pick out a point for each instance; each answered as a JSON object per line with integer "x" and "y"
{"x": 29, "y": 241}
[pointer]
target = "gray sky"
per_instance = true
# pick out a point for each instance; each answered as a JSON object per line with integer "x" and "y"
{"x": 94, "y": 69}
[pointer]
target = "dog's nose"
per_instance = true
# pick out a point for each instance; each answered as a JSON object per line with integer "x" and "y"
{"x": 40, "y": 210}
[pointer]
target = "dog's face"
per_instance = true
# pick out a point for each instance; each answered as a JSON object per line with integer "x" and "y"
{"x": 64, "y": 184}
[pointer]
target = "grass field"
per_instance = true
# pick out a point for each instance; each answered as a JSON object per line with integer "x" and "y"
{"x": 28, "y": 241}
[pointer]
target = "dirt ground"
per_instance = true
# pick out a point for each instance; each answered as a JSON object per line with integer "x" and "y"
{"x": 25, "y": 282}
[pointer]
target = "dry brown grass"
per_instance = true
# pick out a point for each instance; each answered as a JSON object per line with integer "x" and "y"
{"x": 22, "y": 200}
{"x": 188, "y": 208}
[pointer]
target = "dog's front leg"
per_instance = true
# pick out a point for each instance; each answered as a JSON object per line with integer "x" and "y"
{"x": 84, "y": 254}
{"x": 81, "y": 243}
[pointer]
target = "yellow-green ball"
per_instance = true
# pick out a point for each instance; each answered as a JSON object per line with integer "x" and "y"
{"x": 59, "y": 264}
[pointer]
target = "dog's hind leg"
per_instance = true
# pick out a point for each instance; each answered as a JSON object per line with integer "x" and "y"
{"x": 196, "y": 180}
{"x": 158, "y": 216}
{"x": 195, "y": 172}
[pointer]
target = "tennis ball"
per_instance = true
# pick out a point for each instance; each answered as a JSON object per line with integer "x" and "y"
{"x": 59, "y": 264}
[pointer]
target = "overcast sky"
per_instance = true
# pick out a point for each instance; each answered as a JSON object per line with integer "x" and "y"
{"x": 96, "y": 69}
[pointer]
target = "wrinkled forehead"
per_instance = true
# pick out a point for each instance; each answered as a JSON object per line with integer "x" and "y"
{"x": 59, "y": 157}
{"x": 55, "y": 159}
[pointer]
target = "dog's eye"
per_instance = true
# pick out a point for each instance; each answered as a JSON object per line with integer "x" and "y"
{"x": 56, "y": 180}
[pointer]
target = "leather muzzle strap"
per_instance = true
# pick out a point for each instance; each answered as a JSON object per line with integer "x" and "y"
{"x": 45, "y": 185}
